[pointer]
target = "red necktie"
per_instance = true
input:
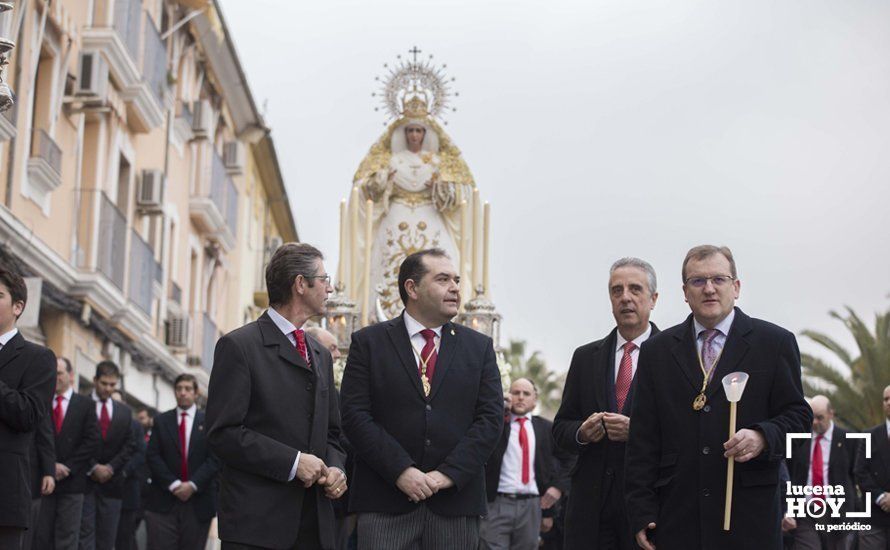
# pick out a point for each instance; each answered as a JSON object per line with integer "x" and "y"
{"x": 300, "y": 337}
{"x": 184, "y": 463}
{"x": 147, "y": 437}
{"x": 523, "y": 444}
{"x": 59, "y": 413}
{"x": 818, "y": 478}
{"x": 104, "y": 419}
{"x": 625, "y": 375}
{"x": 428, "y": 353}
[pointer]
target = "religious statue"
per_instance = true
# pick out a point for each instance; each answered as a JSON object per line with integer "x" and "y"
{"x": 412, "y": 191}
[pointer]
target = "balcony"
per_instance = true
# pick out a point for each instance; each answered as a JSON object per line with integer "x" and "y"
{"x": 112, "y": 242}
{"x": 143, "y": 273}
{"x": 210, "y": 334}
{"x": 44, "y": 168}
{"x": 135, "y": 58}
{"x": 215, "y": 210}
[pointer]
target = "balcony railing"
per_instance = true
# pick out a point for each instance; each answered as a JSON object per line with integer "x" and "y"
{"x": 112, "y": 242}
{"x": 185, "y": 111}
{"x": 43, "y": 147}
{"x": 154, "y": 61}
{"x": 218, "y": 187}
{"x": 127, "y": 16}
{"x": 143, "y": 273}
{"x": 175, "y": 293}
{"x": 231, "y": 206}
{"x": 210, "y": 336}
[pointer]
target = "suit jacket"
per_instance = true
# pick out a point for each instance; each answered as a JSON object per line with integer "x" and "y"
{"x": 27, "y": 380}
{"x": 676, "y": 473}
{"x": 841, "y": 464}
{"x": 43, "y": 456}
{"x": 135, "y": 471}
{"x": 393, "y": 426}
{"x": 165, "y": 458}
{"x": 77, "y": 443}
{"x": 265, "y": 404}
{"x": 590, "y": 388}
{"x": 873, "y": 474}
{"x": 551, "y": 465}
{"x": 115, "y": 450}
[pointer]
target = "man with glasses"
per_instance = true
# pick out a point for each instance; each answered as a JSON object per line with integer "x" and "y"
{"x": 273, "y": 416}
{"x": 679, "y": 446}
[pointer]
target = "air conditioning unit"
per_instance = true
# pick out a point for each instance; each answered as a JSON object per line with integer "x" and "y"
{"x": 233, "y": 157}
{"x": 202, "y": 118}
{"x": 178, "y": 331}
{"x": 92, "y": 75}
{"x": 151, "y": 191}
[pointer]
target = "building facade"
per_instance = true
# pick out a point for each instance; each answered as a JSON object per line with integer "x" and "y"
{"x": 141, "y": 192}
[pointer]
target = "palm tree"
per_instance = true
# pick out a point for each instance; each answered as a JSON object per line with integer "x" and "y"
{"x": 534, "y": 368}
{"x": 857, "y": 397}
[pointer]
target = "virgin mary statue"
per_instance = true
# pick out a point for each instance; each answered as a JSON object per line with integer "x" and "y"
{"x": 418, "y": 189}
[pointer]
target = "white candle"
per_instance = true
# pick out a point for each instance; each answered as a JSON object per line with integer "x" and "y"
{"x": 486, "y": 225}
{"x": 369, "y": 222}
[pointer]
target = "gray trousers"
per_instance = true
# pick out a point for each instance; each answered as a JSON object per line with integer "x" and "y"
{"x": 98, "y": 525}
{"x": 177, "y": 529}
{"x": 807, "y": 538}
{"x": 419, "y": 529}
{"x": 874, "y": 539}
{"x": 60, "y": 522}
{"x": 512, "y": 524}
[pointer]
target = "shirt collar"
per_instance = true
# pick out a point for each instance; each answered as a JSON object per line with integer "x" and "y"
{"x": 68, "y": 393}
{"x": 527, "y": 416}
{"x": 887, "y": 422}
{"x": 414, "y": 326}
{"x": 829, "y": 432}
{"x": 189, "y": 411}
{"x": 723, "y": 326}
{"x": 96, "y": 398}
{"x": 5, "y": 338}
{"x": 638, "y": 341}
{"x": 283, "y": 324}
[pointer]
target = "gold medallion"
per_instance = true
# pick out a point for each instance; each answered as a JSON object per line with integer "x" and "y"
{"x": 426, "y": 385}
{"x": 699, "y": 402}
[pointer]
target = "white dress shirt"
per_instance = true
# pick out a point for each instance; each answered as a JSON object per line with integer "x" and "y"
{"x": 511, "y": 466}
{"x": 825, "y": 444}
{"x": 66, "y": 400}
{"x": 6, "y": 337}
{"x": 189, "y": 422}
{"x": 417, "y": 340}
{"x": 719, "y": 340}
{"x": 634, "y": 355}
{"x": 288, "y": 329}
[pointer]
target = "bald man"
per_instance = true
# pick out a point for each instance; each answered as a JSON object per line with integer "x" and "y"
{"x": 873, "y": 476}
{"x": 525, "y": 476}
{"x": 326, "y": 339}
{"x": 827, "y": 458}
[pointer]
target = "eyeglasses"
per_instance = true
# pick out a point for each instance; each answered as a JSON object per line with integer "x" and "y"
{"x": 718, "y": 281}
{"x": 325, "y": 278}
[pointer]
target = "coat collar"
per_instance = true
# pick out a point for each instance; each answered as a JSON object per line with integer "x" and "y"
{"x": 12, "y": 349}
{"x": 273, "y": 337}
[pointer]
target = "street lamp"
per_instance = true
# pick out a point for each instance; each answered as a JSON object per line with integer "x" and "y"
{"x": 6, "y": 46}
{"x": 341, "y": 317}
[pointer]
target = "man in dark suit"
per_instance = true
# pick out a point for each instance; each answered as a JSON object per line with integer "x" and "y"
{"x": 105, "y": 484}
{"x": 26, "y": 387}
{"x": 135, "y": 474}
{"x": 525, "y": 476}
{"x": 43, "y": 481}
{"x": 423, "y": 409}
{"x": 593, "y": 417}
{"x": 76, "y": 440}
{"x": 181, "y": 499}
{"x": 873, "y": 476}
{"x": 827, "y": 458}
{"x": 273, "y": 416}
{"x": 677, "y": 451}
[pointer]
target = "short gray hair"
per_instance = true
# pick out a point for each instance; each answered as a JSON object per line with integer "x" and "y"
{"x": 647, "y": 268}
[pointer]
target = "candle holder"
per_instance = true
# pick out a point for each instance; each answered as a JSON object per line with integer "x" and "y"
{"x": 7, "y": 97}
{"x": 480, "y": 315}
{"x": 734, "y": 386}
{"x": 341, "y": 317}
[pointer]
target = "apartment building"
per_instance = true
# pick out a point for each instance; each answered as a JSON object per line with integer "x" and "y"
{"x": 141, "y": 192}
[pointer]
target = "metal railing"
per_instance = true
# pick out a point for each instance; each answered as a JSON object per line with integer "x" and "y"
{"x": 43, "y": 147}
{"x": 127, "y": 17}
{"x": 210, "y": 336}
{"x": 143, "y": 270}
{"x": 154, "y": 61}
{"x": 112, "y": 241}
{"x": 185, "y": 111}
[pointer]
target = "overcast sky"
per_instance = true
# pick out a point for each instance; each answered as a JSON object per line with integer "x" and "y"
{"x": 611, "y": 128}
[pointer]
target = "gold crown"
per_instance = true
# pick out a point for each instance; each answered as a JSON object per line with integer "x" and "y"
{"x": 415, "y": 107}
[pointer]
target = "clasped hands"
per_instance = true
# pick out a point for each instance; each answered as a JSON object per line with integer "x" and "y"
{"x": 604, "y": 424}
{"x": 312, "y": 470}
{"x": 419, "y": 486}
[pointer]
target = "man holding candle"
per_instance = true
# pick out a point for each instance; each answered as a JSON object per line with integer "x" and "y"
{"x": 593, "y": 418}
{"x": 678, "y": 449}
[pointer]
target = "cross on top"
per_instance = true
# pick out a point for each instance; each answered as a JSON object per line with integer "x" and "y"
{"x": 414, "y": 51}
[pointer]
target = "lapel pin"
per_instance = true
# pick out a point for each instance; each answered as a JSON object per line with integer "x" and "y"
{"x": 452, "y": 332}
{"x": 200, "y": 427}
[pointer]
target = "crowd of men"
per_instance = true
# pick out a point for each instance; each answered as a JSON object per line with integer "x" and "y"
{"x": 420, "y": 448}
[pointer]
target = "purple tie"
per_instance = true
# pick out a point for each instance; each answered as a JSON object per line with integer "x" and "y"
{"x": 709, "y": 351}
